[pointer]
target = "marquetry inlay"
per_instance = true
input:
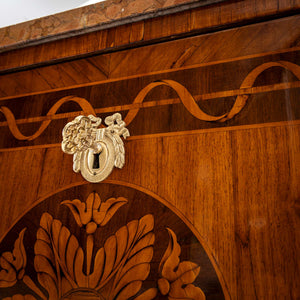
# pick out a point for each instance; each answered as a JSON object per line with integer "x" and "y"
{"x": 102, "y": 247}
{"x": 191, "y": 103}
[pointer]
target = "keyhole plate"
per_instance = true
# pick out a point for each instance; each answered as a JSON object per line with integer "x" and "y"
{"x": 106, "y": 162}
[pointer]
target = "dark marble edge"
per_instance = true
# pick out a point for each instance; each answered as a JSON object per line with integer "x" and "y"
{"x": 110, "y": 24}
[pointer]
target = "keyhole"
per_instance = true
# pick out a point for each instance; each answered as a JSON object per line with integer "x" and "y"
{"x": 96, "y": 163}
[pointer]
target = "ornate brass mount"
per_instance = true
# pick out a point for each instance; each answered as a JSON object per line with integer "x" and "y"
{"x": 96, "y": 151}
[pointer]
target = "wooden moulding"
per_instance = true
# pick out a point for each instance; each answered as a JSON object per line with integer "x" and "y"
{"x": 99, "y": 16}
{"x": 77, "y": 43}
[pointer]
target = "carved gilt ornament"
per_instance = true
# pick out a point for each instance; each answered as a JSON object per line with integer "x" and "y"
{"x": 96, "y": 151}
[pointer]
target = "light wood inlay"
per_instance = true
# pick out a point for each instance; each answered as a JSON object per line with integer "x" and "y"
{"x": 185, "y": 97}
{"x": 116, "y": 270}
{"x": 165, "y": 71}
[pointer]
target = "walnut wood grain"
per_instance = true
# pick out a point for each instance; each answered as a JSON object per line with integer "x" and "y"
{"x": 235, "y": 183}
{"x": 117, "y": 66}
{"x": 257, "y": 101}
{"x": 185, "y": 98}
{"x": 214, "y": 202}
{"x": 133, "y": 106}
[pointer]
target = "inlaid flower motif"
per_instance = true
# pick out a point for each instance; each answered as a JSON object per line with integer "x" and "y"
{"x": 13, "y": 263}
{"x": 94, "y": 212}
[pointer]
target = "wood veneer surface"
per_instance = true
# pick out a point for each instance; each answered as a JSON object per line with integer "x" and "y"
{"x": 236, "y": 182}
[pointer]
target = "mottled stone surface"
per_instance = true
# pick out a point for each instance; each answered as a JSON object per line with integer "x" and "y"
{"x": 110, "y": 12}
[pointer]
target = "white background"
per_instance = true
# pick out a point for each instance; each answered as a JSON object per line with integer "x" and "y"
{"x": 17, "y": 11}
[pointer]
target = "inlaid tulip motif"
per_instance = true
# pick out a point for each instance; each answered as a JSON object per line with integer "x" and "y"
{"x": 91, "y": 215}
{"x": 94, "y": 213}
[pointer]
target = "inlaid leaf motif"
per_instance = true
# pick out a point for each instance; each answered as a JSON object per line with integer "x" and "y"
{"x": 129, "y": 290}
{"x": 124, "y": 258}
{"x": 178, "y": 276}
{"x": 44, "y": 261}
{"x": 13, "y": 264}
{"x": 135, "y": 264}
{"x": 98, "y": 268}
{"x": 55, "y": 251}
{"x": 147, "y": 295}
{"x": 189, "y": 292}
{"x": 120, "y": 252}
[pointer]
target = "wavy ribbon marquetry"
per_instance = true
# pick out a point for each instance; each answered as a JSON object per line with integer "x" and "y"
{"x": 184, "y": 95}
{"x": 83, "y": 103}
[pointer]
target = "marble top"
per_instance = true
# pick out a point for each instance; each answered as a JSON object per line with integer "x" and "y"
{"x": 89, "y": 18}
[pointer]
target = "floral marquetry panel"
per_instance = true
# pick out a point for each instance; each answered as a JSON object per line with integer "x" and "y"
{"x": 106, "y": 241}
